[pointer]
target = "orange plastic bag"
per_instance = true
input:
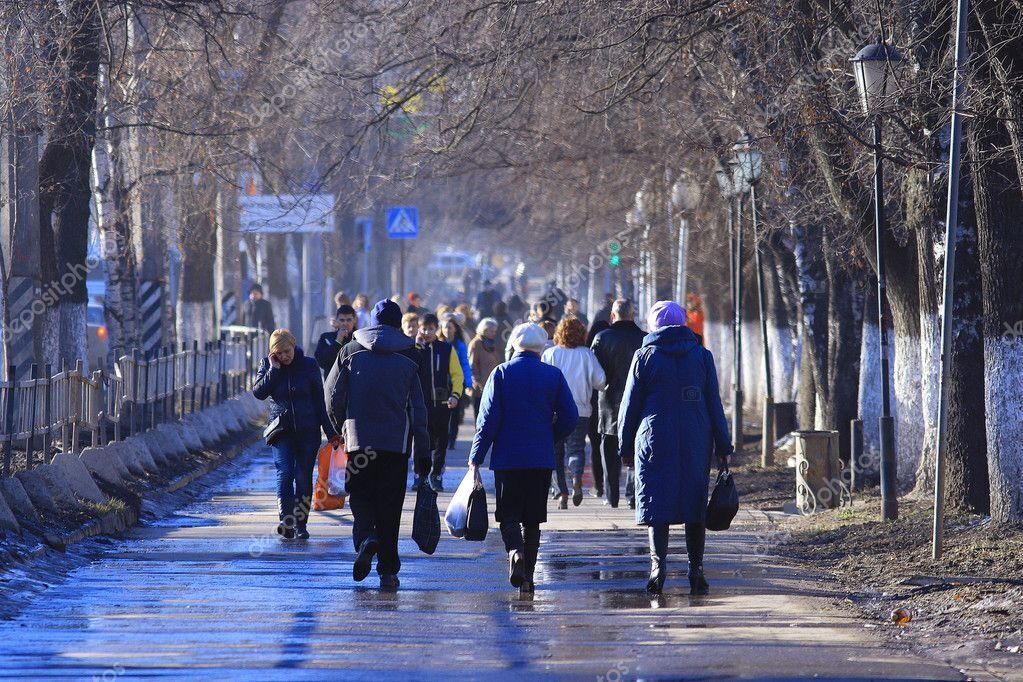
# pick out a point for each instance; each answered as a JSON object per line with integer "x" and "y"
{"x": 329, "y": 492}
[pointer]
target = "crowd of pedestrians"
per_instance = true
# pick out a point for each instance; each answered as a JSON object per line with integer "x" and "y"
{"x": 394, "y": 385}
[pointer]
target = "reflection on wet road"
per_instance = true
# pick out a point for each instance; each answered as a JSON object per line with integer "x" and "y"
{"x": 210, "y": 591}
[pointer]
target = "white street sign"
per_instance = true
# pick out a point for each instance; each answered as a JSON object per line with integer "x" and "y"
{"x": 284, "y": 213}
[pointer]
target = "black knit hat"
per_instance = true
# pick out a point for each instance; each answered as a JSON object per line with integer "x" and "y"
{"x": 386, "y": 312}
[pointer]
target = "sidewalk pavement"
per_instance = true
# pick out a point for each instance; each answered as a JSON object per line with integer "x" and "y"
{"x": 212, "y": 592}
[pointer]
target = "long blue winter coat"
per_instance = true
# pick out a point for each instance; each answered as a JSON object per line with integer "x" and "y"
{"x": 526, "y": 408}
{"x": 671, "y": 420}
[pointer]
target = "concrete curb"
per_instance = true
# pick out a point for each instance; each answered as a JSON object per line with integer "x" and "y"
{"x": 121, "y": 469}
{"x": 20, "y": 503}
{"x": 106, "y": 463}
{"x": 78, "y": 477}
{"x": 121, "y": 520}
{"x": 7, "y": 519}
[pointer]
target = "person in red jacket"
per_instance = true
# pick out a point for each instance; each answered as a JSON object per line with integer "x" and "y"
{"x": 694, "y": 314}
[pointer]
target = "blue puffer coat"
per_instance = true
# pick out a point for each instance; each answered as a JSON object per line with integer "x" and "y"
{"x": 527, "y": 406}
{"x": 671, "y": 420}
{"x": 297, "y": 388}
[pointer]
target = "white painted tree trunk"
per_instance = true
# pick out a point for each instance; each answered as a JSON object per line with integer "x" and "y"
{"x": 1003, "y": 370}
{"x": 870, "y": 387}
{"x": 195, "y": 321}
{"x": 718, "y": 339}
{"x": 783, "y": 358}
{"x": 908, "y": 407}
{"x": 930, "y": 366}
{"x": 282, "y": 311}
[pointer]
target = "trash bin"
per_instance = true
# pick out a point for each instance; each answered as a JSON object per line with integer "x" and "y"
{"x": 820, "y": 477}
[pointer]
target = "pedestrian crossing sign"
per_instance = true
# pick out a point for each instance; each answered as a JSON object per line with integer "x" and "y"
{"x": 402, "y": 222}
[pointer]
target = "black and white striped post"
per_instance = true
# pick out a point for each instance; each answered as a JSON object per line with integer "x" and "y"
{"x": 22, "y": 294}
{"x": 151, "y": 314}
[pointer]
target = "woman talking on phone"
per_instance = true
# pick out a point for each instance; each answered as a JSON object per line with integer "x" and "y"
{"x": 291, "y": 382}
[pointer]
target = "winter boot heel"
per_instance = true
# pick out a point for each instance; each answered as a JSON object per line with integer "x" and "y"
{"x": 697, "y": 582}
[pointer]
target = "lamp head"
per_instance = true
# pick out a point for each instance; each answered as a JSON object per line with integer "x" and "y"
{"x": 874, "y": 68}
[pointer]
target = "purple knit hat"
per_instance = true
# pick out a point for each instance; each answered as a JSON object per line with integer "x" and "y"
{"x": 665, "y": 314}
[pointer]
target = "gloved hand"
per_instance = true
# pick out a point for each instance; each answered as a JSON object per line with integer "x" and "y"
{"x": 628, "y": 457}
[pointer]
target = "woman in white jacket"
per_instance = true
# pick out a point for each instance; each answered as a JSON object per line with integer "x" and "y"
{"x": 584, "y": 375}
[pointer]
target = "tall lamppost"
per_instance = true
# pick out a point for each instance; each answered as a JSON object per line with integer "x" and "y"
{"x": 684, "y": 196}
{"x": 729, "y": 190}
{"x": 750, "y": 163}
{"x": 874, "y": 68}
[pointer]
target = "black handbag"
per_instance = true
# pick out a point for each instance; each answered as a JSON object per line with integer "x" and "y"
{"x": 724, "y": 502}
{"x": 277, "y": 427}
{"x": 478, "y": 519}
{"x": 426, "y": 519}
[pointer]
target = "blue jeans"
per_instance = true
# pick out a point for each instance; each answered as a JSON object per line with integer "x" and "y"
{"x": 573, "y": 448}
{"x": 295, "y": 458}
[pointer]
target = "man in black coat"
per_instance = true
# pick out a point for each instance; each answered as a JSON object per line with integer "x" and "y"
{"x": 614, "y": 348}
{"x": 331, "y": 343}
{"x": 257, "y": 311}
{"x": 375, "y": 400}
{"x": 486, "y": 299}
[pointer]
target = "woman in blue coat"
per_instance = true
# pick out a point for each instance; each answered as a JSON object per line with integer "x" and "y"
{"x": 527, "y": 406}
{"x": 293, "y": 385}
{"x": 671, "y": 423}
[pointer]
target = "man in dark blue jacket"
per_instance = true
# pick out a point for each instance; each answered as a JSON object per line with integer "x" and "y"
{"x": 331, "y": 343}
{"x": 375, "y": 401}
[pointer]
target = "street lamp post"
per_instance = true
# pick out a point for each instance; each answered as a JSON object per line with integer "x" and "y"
{"x": 727, "y": 185}
{"x": 751, "y": 165}
{"x": 874, "y": 68}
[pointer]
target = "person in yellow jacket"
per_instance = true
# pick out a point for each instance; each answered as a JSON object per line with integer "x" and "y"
{"x": 440, "y": 372}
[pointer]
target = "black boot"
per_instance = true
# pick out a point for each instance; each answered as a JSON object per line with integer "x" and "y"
{"x": 696, "y": 538}
{"x": 364, "y": 559}
{"x": 658, "y": 558}
{"x": 531, "y": 537}
{"x": 286, "y": 524}
{"x": 516, "y": 568}
{"x": 697, "y": 583}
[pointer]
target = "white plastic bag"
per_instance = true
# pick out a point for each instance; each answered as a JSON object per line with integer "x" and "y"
{"x": 336, "y": 473}
{"x": 457, "y": 515}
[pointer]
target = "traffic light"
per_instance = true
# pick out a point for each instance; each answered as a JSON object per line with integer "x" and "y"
{"x": 615, "y": 259}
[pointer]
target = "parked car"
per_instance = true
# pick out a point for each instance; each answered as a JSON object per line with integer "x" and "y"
{"x": 447, "y": 264}
{"x": 98, "y": 343}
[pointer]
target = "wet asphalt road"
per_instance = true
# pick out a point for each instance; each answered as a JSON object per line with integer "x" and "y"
{"x": 210, "y": 592}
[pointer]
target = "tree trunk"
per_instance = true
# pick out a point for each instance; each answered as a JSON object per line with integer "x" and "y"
{"x": 869, "y": 397}
{"x": 904, "y": 302}
{"x": 64, "y": 180}
{"x": 279, "y": 292}
{"x": 198, "y": 248}
{"x": 921, "y": 200}
{"x": 813, "y": 299}
{"x": 780, "y": 324}
{"x": 999, "y": 204}
{"x": 966, "y": 475}
{"x": 845, "y": 314}
{"x": 121, "y": 300}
